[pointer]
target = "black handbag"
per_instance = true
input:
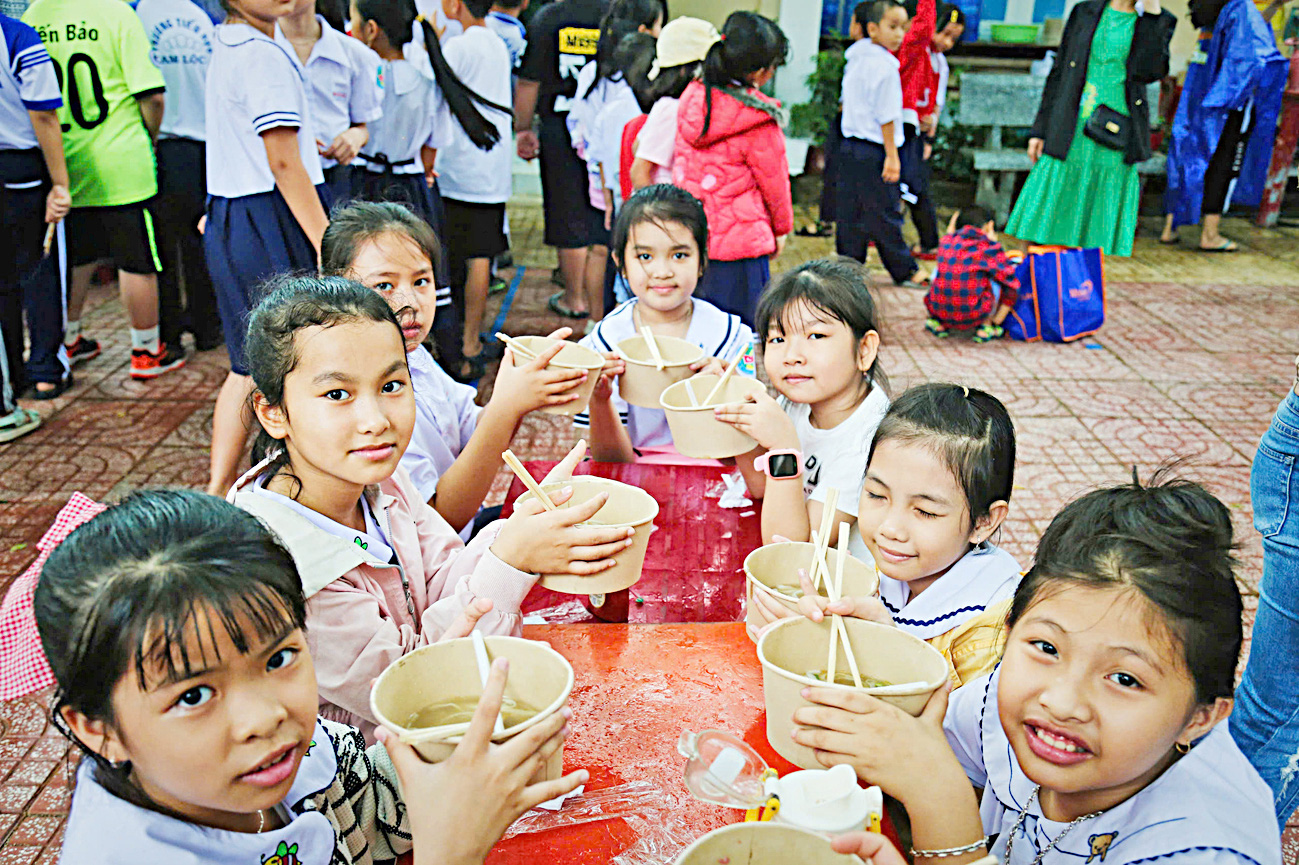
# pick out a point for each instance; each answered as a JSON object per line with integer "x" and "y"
{"x": 1108, "y": 128}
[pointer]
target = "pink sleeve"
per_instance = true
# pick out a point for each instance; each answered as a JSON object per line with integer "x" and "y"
{"x": 766, "y": 157}
{"x": 658, "y": 137}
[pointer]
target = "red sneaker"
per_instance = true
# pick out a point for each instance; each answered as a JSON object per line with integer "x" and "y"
{"x": 146, "y": 364}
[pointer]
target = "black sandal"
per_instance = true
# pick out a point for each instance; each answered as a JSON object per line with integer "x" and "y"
{"x": 554, "y": 305}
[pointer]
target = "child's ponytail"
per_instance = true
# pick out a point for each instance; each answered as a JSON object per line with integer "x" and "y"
{"x": 750, "y": 43}
{"x": 623, "y": 18}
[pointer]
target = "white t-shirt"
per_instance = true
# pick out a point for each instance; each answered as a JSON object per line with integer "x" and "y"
{"x": 836, "y": 457}
{"x": 373, "y": 541}
{"x": 180, "y": 36}
{"x": 253, "y": 85}
{"x": 1209, "y": 808}
{"x": 604, "y": 148}
{"x": 718, "y": 333}
{"x": 872, "y": 92}
{"x": 445, "y": 418}
{"x": 466, "y": 173}
{"x": 412, "y": 118}
{"x": 342, "y": 78}
{"x": 27, "y": 83}
{"x": 657, "y": 140}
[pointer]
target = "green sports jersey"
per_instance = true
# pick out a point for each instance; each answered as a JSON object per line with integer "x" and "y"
{"x": 101, "y": 57}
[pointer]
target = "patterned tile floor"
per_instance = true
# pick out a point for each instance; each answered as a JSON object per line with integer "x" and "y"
{"x": 1197, "y": 353}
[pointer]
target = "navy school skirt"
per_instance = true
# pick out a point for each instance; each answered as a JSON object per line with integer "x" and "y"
{"x": 247, "y": 241}
{"x": 734, "y": 286}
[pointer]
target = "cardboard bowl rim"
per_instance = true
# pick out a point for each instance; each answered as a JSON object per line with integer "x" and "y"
{"x": 759, "y": 584}
{"x": 566, "y": 364}
{"x": 508, "y": 732}
{"x": 649, "y": 363}
{"x": 694, "y": 408}
{"x": 890, "y": 690}
{"x": 595, "y": 479}
{"x": 759, "y": 827}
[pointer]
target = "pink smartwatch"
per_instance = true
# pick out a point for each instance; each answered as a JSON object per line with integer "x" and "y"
{"x": 780, "y": 464}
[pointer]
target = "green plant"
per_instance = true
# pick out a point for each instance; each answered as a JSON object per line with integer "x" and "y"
{"x": 812, "y": 119}
{"x": 950, "y": 159}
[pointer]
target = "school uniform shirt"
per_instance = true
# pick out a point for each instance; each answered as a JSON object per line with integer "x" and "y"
{"x": 582, "y": 120}
{"x": 363, "y": 614}
{"x": 1208, "y": 808}
{"x": 982, "y": 580}
{"x": 372, "y": 542}
{"x": 342, "y": 79}
{"x": 180, "y": 33}
{"x": 872, "y": 93}
{"x": 104, "y": 48}
{"x": 512, "y": 32}
{"x": 445, "y": 418}
{"x": 836, "y": 457}
{"x": 657, "y": 142}
{"x": 344, "y": 805}
{"x": 27, "y": 83}
{"x": 562, "y": 38}
{"x": 254, "y": 85}
{"x": 412, "y": 117}
{"x": 718, "y": 333}
{"x": 466, "y": 172}
{"x": 604, "y": 150}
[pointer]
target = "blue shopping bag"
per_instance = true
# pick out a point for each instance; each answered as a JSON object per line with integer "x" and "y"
{"x": 1062, "y": 295}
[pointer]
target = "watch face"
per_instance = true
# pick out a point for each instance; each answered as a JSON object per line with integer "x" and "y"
{"x": 783, "y": 465}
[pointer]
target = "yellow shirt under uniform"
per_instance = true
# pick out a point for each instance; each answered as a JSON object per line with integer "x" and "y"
{"x": 973, "y": 649}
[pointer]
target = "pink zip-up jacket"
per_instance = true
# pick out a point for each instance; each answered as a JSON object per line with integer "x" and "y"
{"x": 361, "y": 614}
{"x": 738, "y": 169}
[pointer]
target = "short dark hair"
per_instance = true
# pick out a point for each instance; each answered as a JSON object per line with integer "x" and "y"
{"x": 968, "y": 429}
{"x": 949, "y": 13}
{"x": 873, "y": 11}
{"x": 659, "y": 203}
{"x": 478, "y": 8}
{"x": 127, "y": 589}
{"x": 834, "y": 287}
{"x": 1170, "y": 541}
{"x": 973, "y": 214}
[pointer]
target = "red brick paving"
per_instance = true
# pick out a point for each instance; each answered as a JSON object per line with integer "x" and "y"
{"x": 1180, "y": 370}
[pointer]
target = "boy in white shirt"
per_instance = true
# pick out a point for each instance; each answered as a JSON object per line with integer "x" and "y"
{"x": 868, "y": 204}
{"x": 504, "y": 21}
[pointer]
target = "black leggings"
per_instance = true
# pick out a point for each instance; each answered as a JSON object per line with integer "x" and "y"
{"x": 1224, "y": 166}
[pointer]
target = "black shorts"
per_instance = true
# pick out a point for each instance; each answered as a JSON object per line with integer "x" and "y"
{"x": 474, "y": 230}
{"x": 571, "y": 221}
{"x": 123, "y": 232}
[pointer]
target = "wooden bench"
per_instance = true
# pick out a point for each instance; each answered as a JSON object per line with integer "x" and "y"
{"x": 1002, "y": 100}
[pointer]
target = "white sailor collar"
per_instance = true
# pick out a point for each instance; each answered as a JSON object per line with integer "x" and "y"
{"x": 106, "y": 829}
{"x": 1210, "y": 799}
{"x": 405, "y": 78}
{"x": 984, "y": 576}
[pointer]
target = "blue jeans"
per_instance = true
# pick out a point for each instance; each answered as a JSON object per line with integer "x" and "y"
{"x": 1265, "y": 722}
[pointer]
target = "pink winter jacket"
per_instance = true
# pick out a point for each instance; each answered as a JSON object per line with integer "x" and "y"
{"x": 363, "y": 615}
{"x": 738, "y": 170}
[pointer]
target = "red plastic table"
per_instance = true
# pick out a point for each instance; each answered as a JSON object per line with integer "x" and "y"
{"x": 694, "y": 563}
{"x": 638, "y": 688}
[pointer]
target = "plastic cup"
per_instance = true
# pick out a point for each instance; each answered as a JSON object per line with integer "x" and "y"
{"x": 778, "y": 565}
{"x": 539, "y": 676}
{"x": 571, "y": 356}
{"x": 627, "y": 506}
{"x": 643, "y": 383}
{"x": 763, "y": 844}
{"x": 695, "y": 432}
{"x": 793, "y": 647}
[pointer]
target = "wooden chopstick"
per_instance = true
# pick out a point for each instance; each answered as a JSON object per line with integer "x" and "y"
{"x": 517, "y": 467}
{"x": 652, "y": 345}
{"x": 519, "y": 348}
{"x": 721, "y": 382}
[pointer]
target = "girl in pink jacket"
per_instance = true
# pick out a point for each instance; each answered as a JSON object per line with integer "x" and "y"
{"x": 730, "y": 154}
{"x": 382, "y": 571}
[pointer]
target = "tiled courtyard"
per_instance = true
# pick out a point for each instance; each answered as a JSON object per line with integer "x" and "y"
{"x": 1197, "y": 352}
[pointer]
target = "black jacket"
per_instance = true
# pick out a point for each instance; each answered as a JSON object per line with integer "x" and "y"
{"x": 1057, "y": 116}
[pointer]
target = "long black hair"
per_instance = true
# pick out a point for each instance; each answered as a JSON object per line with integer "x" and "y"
{"x": 396, "y": 18}
{"x": 623, "y": 18}
{"x": 749, "y": 44}
{"x": 130, "y": 589}
{"x": 1204, "y": 13}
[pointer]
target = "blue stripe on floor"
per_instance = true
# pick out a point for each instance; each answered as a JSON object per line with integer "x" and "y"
{"x": 508, "y": 301}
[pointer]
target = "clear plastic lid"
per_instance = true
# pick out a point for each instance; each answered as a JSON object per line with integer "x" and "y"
{"x": 722, "y": 769}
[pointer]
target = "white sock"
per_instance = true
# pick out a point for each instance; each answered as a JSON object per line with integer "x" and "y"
{"x": 71, "y": 332}
{"x": 146, "y": 339}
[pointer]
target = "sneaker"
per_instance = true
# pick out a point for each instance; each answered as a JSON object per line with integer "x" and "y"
{"x": 146, "y": 364}
{"x": 497, "y": 285}
{"x": 82, "y": 350}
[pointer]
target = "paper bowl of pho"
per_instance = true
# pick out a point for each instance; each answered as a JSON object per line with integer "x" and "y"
{"x": 571, "y": 356}
{"x": 695, "y": 431}
{"x": 643, "y": 382}
{"x": 763, "y": 844}
{"x": 627, "y": 506}
{"x": 428, "y": 696}
{"x": 894, "y": 666}
{"x": 772, "y": 570}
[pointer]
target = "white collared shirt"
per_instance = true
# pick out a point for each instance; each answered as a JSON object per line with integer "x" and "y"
{"x": 718, "y": 333}
{"x": 872, "y": 92}
{"x": 180, "y": 36}
{"x": 983, "y": 577}
{"x": 253, "y": 85}
{"x": 373, "y": 541}
{"x": 342, "y": 77}
{"x": 412, "y": 118}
